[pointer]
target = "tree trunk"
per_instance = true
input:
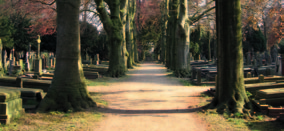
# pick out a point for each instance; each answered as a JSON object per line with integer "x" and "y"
{"x": 68, "y": 89}
{"x": 182, "y": 42}
{"x": 163, "y": 36}
{"x": 123, "y": 14}
{"x": 173, "y": 5}
{"x": 116, "y": 62}
{"x": 1, "y": 65}
{"x": 129, "y": 34}
{"x": 128, "y": 42}
{"x": 115, "y": 28}
{"x": 230, "y": 94}
{"x": 136, "y": 58}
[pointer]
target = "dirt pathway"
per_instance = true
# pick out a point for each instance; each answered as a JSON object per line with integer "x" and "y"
{"x": 150, "y": 101}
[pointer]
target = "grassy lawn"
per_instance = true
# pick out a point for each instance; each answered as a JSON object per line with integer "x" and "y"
{"x": 55, "y": 121}
{"x": 221, "y": 122}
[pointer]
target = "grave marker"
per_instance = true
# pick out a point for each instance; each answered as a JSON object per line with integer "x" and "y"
{"x": 98, "y": 59}
{"x": 38, "y": 62}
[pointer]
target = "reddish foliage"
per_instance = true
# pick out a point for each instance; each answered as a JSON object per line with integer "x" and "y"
{"x": 146, "y": 10}
{"x": 42, "y": 16}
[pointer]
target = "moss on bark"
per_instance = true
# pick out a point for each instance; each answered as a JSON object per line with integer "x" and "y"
{"x": 230, "y": 94}
{"x": 116, "y": 64}
{"x": 68, "y": 90}
{"x": 70, "y": 96}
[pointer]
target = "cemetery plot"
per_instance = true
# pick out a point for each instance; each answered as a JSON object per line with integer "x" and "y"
{"x": 30, "y": 97}
{"x": 10, "y": 105}
{"x": 37, "y": 84}
{"x": 253, "y": 88}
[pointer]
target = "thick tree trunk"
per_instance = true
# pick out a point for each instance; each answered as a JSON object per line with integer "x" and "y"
{"x": 163, "y": 36}
{"x": 68, "y": 89}
{"x": 1, "y": 65}
{"x": 182, "y": 42}
{"x": 115, "y": 28}
{"x": 129, "y": 33}
{"x": 173, "y": 5}
{"x": 116, "y": 62}
{"x": 129, "y": 41}
{"x": 123, "y": 14}
{"x": 136, "y": 58}
{"x": 168, "y": 45}
{"x": 230, "y": 94}
{"x": 168, "y": 34}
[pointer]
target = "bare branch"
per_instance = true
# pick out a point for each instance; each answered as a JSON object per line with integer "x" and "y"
{"x": 42, "y": 2}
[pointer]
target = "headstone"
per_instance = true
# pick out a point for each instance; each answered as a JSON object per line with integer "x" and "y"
{"x": 51, "y": 62}
{"x": 11, "y": 67}
{"x": 43, "y": 63}
{"x": 38, "y": 67}
{"x": 54, "y": 62}
{"x": 5, "y": 60}
{"x": 248, "y": 75}
{"x": 269, "y": 71}
{"x": 198, "y": 77}
{"x": 48, "y": 64}
{"x": 248, "y": 59}
{"x": 10, "y": 105}
{"x": 31, "y": 64}
{"x": 261, "y": 78}
{"x": 216, "y": 80}
{"x": 91, "y": 61}
{"x": 10, "y": 56}
{"x": 87, "y": 56}
{"x": 21, "y": 64}
{"x": 269, "y": 61}
{"x": 274, "y": 53}
{"x": 98, "y": 59}
{"x": 27, "y": 65}
{"x": 259, "y": 59}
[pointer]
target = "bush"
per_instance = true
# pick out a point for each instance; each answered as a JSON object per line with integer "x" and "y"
{"x": 281, "y": 47}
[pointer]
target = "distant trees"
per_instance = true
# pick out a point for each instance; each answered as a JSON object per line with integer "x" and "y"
{"x": 253, "y": 40}
{"x": 7, "y": 30}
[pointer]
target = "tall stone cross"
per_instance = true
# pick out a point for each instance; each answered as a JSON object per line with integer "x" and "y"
{"x": 38, "y": 46}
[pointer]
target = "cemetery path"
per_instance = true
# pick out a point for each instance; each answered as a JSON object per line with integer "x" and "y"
{"x": 149, "y": 100}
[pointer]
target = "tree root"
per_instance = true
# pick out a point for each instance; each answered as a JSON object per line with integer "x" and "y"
{"x": 68, "y": 98}
{"x": 181, "y": 73}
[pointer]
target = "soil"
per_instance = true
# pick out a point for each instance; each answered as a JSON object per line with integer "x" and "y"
{"x": 149, "y": 100}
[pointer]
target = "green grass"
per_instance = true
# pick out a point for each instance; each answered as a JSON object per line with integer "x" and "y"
{"x": 237, "y": 121}
{"x": 186, "y": 82}
{"x": 97, "y": 82}
{"x": 56, "y": 120}
{"x": 97, "y": 98}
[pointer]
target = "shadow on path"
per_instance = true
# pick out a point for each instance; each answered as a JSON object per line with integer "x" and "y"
{"x": 121, "y": 111}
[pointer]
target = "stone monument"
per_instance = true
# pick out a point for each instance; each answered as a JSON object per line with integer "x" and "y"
{"x": 38, "y": 63}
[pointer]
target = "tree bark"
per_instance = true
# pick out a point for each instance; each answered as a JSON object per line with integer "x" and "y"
{"x": 182, "y": 42}
{"x": 1, "y": 65}
{"x": 129, "y": 33}
{"x": 115, "y": 27}
{"x": 123, "y": 14}
{"x": 136, "y": 58}
{"x": 163, "y": 36}
{"x": 128, "y": 42}
{"x": 230, "y": 94}
{"x": 68, "y": 89}
{"x": 174, "y": 14}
